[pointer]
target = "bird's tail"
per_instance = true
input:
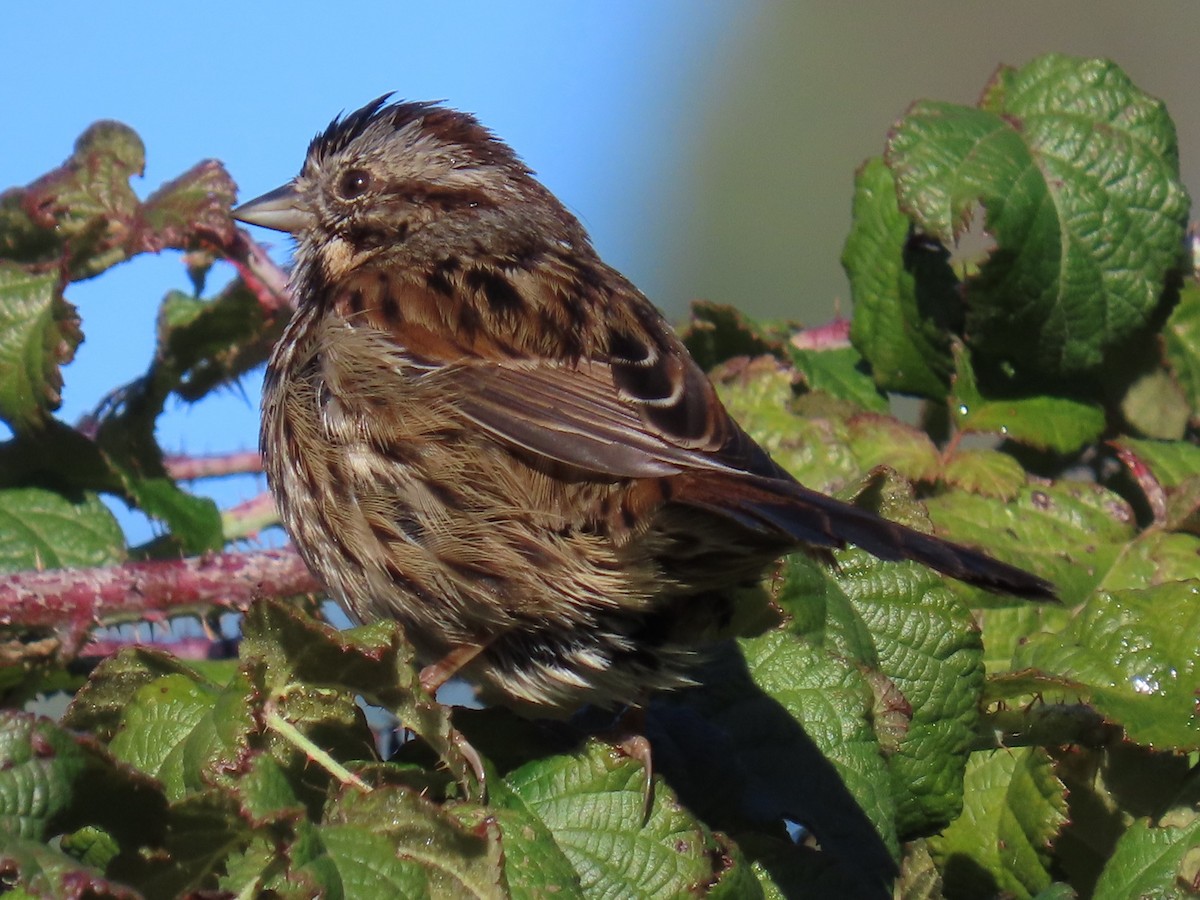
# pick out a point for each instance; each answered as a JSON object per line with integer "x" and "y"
{"x": 796, "y": 513}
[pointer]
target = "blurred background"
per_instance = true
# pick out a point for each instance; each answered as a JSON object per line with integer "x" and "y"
{"x": 709, "y": 147}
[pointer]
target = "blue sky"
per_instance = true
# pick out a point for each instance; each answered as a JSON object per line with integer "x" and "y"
{"x": 591, "y": 94}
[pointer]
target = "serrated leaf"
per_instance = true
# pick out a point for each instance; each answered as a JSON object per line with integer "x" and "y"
{"x": 41, "y": 529}
{"x": 781, "y": 731}
{"x": 593, "y": 804}
{"x": 1044, "y": 422}
{"x": 905, "y": 294}
{"x": 47, "y": 872}
{"x": 839, "y": 372}
{"x": 534, "y": 865}
{"x": 879, "y": 440}
{"x": 87, "y": 202}
{"x": 1154, "y": 557}
{"x": 455, "y": 861}
{"x": 717, "y": 332}
{"x": 1014, "y": 806}
{"x": 183, "y": 732}
{"x": 1155, "y": 406}
{"x": 1138, "y": 653}
{"x": 812, "y": 447}
{"x": 203, "y": 344}
{"x": 203, "y": 831}
{"x": 1070, "y": 533}
{"x": 928, "y": 645}
{"x": 194, "y": 522}
{"x": 39, "y": 764}
{"x": 98, "y": 706}
{"x": 1181, "y": 341}
{"x": 985, "y": 472}
{"x": 197, "y": 202}
{"x": 1078, "y": 172}
{"x": 368, "y": 865}
{"x": 1153, "y": 861}
{"x": 52, "y": 782}
{"x": 375, "y": 661}
{"x": 39, "y": 331}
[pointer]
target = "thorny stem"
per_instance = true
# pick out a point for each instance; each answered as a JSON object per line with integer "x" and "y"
{"x": 182, "y": 467}
{"x": 298, "y": 739}
{"x": 79, "y": 598}
{"x": 249, "y": 517}
{"x": 266, "y": 280}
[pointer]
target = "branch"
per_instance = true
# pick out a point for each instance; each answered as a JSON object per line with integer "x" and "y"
{"x": 77, "y": 598}
{"x": 267, "y": 281}
{"x": 249, "y": 517}
{"x": 182, "y": 467}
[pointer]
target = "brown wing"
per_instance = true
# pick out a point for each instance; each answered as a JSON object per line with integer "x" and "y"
{"x": 600, "y": 382}
{"x": 632, "y": 404}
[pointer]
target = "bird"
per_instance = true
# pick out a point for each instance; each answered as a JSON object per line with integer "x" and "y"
{"x": 476, "y": 427}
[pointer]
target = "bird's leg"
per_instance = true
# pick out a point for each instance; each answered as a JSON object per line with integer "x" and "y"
{"x": 434, "y": 675}
{"x": 628, "y": 735}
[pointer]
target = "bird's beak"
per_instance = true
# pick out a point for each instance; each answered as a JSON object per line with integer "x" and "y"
{"x": 282, "y": 209}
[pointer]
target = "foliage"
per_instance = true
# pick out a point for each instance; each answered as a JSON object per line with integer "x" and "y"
{"x": 1018, "y": 264}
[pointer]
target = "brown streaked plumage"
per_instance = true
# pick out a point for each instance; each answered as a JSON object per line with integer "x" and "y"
{"x": 475, "y": 426}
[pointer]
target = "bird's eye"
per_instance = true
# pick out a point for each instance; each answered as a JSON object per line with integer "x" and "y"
{"x": 354, "y": 183}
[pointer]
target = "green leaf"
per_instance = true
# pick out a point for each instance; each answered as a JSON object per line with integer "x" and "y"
{"x": 879, "y": 440}
{"x": 375, "y": 661}
{"x": 203, "y": 832}
{"x": 839, "y": 372}
{"x": 985, "y": 472}
{"x": 41, "y": 529}
{"x": 43, "y": 871}
{"x": 203, "y": 344}
{"x": 194, "y": 204}
{"x": 1014, "y": 807}
{"x": 194, "y": 522}
{"x": 717, "y": 332}
{"x": 534, "y": 865}
{"x": 928, "y": 645}
{"x": 87, "y": 202}
{"x": 1154, "y": 860}
{"x": 368, "y": 864}
{"x": 1181, "y": 340}
{"x": 1138, "y": 653}
{"x": 186, "y": 732}
{"x": 39, "y": 331}
{"x": 1154, "y": 405}
{"x": 1078, "y": 172}
{"x": 53, "y": 782}
{"x": 39, "y": 765}
{"x": 812, "y": 447}
{"x": 453, "y": 861}
{"x": 99, "y": 705}
{"x": 1070, "y": 533}
{"x": 593, "y": 804}
{"x": 905, "y": 297}
{"x": 1045, "y": 422}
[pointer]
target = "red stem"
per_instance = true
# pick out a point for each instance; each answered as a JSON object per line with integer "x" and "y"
{"x": 78, "y": 598}
{"x": 188, "y": 468}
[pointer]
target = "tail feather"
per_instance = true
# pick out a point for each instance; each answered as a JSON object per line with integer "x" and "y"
{"x": 804, "y": 516}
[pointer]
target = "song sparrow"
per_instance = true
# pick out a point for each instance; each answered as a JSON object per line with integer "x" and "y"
{"x": 476, "y": 427}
